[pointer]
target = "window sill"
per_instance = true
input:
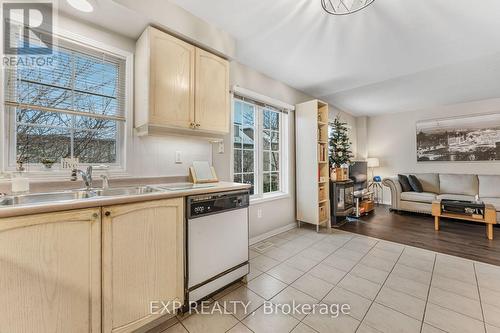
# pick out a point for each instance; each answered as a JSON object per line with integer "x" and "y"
{"x": 269, "y": 197}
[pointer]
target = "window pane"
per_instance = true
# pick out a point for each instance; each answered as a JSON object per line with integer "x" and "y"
{"x": 267, "y": 119}
{"x": 238, "y": 178}
{"x": 76, "y": 81}
{"x": 29, "y": 116}
{"x": 248, "y": 161}
{"x": 248, "y": 115}
{"x": 37, "y": 143}
{"x": 275, "y": 182}
{"x": 267, "y": 182}
{"x": 237, "y": 160}
{"x": 94, "y": 147}
{"x": 275, "y": 141}
{"x": 248, "y": 138}
{"x": 237, "y": 140}
{"x": 237, "y": 113}
{"x": 274, "y": 121}
{"x": 275, "y": 161}
{"x": 271, "y": 120}
{"x": 266, "y": 161}
{"x": 266, "y": 140}
{"x": 249, "y": 179}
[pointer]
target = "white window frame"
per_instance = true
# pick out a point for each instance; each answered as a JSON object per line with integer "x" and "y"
{"x": 125, "y": 129}
{"x": 284, "y": 146}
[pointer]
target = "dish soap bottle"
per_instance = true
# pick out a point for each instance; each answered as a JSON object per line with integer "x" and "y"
{"x": 20, "y": 183}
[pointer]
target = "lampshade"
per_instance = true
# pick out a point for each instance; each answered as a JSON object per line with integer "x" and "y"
{"x": 373, "y": 162}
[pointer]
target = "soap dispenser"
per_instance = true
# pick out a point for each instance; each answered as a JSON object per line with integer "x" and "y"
{"x": 20, "y": 183}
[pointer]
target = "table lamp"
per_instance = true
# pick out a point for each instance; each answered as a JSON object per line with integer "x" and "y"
{"x": 373, "y": 163}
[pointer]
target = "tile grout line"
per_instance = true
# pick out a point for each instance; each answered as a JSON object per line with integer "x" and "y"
{"x": 290, "y": 284}
{"x": 334, "y": 285}
{"x": 381, "y": 287}
{"x": 348, "y": 272}
{"x": 479, "y": 295}
{"x": 428, "y": 293}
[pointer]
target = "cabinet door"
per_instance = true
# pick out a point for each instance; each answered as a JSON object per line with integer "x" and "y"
{"x": 172, "y": 81}
{"x": 143, "y": 261}
{"x": 212, "y": 92}
{"x": 50, "y": 273}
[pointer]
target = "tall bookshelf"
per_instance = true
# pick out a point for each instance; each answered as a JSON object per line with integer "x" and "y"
{"x": 312, "y": 167}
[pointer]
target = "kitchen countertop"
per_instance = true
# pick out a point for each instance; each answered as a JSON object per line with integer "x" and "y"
{"x": 48, "y": 207}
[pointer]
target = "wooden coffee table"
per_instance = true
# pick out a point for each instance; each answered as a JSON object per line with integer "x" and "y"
{"x": 490, "y": 217}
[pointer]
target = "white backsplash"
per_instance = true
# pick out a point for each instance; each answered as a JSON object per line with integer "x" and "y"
{"x": 154, "y": 156}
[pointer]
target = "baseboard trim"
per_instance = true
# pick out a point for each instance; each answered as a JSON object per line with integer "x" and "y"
{"x": 272, "y": 233}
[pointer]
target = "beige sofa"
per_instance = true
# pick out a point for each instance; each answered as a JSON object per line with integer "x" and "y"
{"x": 444, "y": 186}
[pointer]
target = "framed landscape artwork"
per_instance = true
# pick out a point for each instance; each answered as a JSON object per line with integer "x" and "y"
{"x": 468, "y": 138}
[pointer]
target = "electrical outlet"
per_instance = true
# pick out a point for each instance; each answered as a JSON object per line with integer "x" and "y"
{"x": 221, "y": 147}
{"x": 178, "y": 157}
{"x": 259, "y": 213}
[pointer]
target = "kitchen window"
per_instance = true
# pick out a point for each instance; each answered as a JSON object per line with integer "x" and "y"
{"x": 74, "y": 108}
{"x": 259, "y": 147}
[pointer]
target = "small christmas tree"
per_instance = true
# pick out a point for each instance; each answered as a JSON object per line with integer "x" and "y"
{"x": 340, "y": 146}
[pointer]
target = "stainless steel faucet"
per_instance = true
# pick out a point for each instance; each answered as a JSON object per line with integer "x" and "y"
{"x": 86, "y": 176}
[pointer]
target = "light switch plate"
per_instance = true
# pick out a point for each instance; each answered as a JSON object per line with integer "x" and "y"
{"x": 178, "y": 157}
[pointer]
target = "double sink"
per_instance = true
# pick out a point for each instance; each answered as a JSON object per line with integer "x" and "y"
{"x": 52, "y": 197}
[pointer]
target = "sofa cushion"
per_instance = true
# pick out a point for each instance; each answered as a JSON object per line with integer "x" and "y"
{"x": 489, "y": 186}
{"x": 415, "y": 183}
{"x": 458, "y": 184}
{"x": 418, "y": 196}
{"x": 405, "y": 183}
{"x": 429, "y": 181}
{"x": 456, "y": 197}
{"x": 492, "y": 201}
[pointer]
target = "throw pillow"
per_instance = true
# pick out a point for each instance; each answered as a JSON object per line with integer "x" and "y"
{"x": 405, "y": 183}
{"x": 415, "y": 184}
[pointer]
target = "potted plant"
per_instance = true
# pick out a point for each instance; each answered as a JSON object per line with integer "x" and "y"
{"x": 340, "y": 148}
{"x": 48, "y": 163}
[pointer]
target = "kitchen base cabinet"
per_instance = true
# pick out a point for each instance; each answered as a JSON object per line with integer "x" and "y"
{"x": 143, "y": 261}
{"x": 50, "y": 273}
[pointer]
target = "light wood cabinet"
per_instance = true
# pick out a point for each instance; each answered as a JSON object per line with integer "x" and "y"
{"x": 212, "y": 97}
{"x": 168, "y": 94}
{"x": 179, "y": 88}
{"x": 143, "y": 261}
{"x": 50, "y": 273}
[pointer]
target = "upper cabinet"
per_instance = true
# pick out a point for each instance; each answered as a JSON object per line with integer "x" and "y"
{"x": 179, "y": 88}
{"x": 212, "y": 92}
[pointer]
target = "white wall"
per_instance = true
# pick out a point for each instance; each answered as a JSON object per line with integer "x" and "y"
{"x": 392, "y": 138}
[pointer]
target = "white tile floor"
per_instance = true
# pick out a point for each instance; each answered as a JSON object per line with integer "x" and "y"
{"x": 390, "y": 288}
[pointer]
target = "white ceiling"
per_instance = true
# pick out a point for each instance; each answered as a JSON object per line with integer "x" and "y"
{"x": 392, "y": 56}
{"x": 395, "y": 55}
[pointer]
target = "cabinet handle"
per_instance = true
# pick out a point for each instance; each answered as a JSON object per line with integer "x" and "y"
{"x": 198, "y": 125}
{"x": 107, "y": 213}
{"x": 95, "y": 216}
{"x": 192, "y": 125}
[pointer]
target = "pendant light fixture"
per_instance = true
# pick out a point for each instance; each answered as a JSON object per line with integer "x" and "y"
{"x": 344, "y": 7}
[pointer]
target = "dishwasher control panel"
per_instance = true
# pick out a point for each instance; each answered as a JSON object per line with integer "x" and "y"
{"x": 201, "y": 205}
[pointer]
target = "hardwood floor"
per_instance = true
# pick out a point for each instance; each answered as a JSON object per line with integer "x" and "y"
{"x": 458, "y": 238}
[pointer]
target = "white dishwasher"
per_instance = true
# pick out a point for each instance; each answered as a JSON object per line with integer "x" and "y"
{"x": 217, "y": 242}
